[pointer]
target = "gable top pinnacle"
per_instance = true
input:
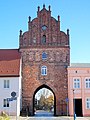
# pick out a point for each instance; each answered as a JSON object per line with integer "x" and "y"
{"x": 49, "y": 7}
{"x": 43, "y": 5}
{"x": 38, "y": 8}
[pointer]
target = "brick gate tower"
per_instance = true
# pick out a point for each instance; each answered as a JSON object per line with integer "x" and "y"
{"x": 45, "y": 55}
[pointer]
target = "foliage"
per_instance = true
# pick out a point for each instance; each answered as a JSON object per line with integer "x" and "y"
{"x": 4, "y": 116}
{"x": 42, "y": 101}
{"x": 45, "y": 103}
{"x": 50, "y": 101}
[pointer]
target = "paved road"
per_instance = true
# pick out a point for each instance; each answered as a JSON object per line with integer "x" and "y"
{"x": 43, "y": 115}
{"x": 49, "y": 118}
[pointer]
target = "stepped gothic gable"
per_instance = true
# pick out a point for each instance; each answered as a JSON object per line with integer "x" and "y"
{"x": 44, "y": 30}
{"x": 45, "y": 55}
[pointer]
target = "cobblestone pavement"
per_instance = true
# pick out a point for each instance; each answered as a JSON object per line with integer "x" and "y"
{"x": 48, "y": 118}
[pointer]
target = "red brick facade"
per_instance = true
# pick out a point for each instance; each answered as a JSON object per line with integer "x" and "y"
{"x": 44, "y": 35}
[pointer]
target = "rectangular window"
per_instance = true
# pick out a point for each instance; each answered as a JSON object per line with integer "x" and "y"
{"x": 87, "y": 83}
{"x": 76, "y": 83}
{"x": 88, "y": 103}
{"x": 43, "y": 70}
{"x": 44, "y": 56}
{"x": 6, "y": 84}
{"x": 5, "y": 103}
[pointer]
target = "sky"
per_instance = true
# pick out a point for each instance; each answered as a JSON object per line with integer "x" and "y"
{"x": 74, "y": 15}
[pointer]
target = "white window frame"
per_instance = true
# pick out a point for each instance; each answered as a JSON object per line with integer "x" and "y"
{"x": 76, "y": 83}
{"x": 5, "y": 103}
{"x": 44, "y": 70}
{"x": 87, "y": 82}
{"x": 6, "y": 83}
{"x": 87, "y": 103}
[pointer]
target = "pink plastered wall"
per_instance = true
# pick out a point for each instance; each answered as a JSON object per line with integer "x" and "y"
{"x": 78, "y": 93}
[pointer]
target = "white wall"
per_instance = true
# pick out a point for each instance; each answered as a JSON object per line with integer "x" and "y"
{"x": 15, "y": 85}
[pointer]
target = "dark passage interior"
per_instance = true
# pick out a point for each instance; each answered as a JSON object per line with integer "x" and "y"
{"x": 78, "y": 107}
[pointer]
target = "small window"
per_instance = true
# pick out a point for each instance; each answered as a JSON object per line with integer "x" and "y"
{"x": 44, "y": 56}
{"x": 6, "y": 83}
{"x": 76, "y": 83}
{"x": 44, "y": 39}
{"x": 44, "y": 27}
{"x": 43, "y": 70}
{"x": 87, "y": 83}
{"x": 88, "y": 103}
{"x": 34, "y": 40}
{"x": 75, "y": 71}
{"x": 5, "y": 103}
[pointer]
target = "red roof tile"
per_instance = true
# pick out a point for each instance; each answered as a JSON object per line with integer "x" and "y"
{"x": 9, "y": 62}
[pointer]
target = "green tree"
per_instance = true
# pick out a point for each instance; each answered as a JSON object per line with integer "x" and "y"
{"x": 49, "y": 102}
{"x": 45, "y": 99}
{"x": 42, "y": 101}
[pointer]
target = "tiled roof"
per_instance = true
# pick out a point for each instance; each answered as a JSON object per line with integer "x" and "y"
{"x": 79, "y": 65}
{"x": 9, "y": 62}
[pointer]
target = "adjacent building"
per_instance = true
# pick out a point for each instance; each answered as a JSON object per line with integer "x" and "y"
{"x": 79, "y": 89}
{"x": 10, "y": 81}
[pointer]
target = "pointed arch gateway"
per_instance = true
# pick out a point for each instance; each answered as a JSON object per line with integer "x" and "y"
{"x": 47, "y": 87}
{"x": 55, "y": 43}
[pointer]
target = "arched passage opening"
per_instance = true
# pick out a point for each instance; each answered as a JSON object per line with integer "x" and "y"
{"x": 44, "y": 101}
